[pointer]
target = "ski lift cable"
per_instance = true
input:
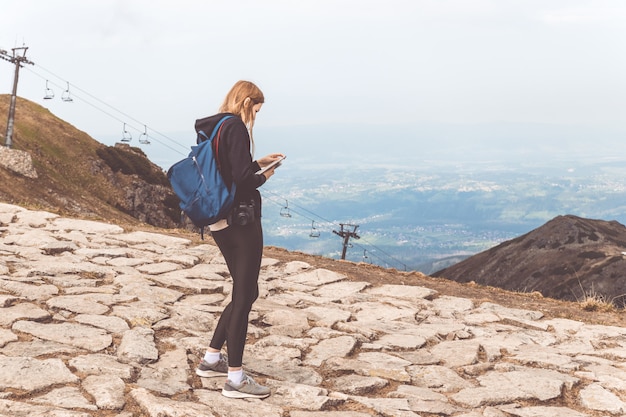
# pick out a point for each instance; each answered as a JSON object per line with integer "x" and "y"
{"x": 119, "y": 119}
{"x": 363, "y": 240}
{"x": 379, "y": 249}
{"x": 265, "y": 189}
{"x": 373, "y": 254}
{"x": 324, "y": 222}
{"x": 329, "y": 226}
{"x": 115, "y": 109}
{"x": 282, "y": 205}
{"x": 127, "y": 117}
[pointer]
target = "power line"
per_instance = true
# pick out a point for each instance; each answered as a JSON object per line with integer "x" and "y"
{"x": 143, "y": 131}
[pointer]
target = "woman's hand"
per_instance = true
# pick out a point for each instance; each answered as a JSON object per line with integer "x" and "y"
{"x": 268, "y": 159}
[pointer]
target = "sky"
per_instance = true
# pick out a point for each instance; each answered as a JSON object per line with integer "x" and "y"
{"x": 157, "y": 66}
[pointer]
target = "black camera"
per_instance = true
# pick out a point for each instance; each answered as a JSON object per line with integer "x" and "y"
{"x": 242, "y": 214}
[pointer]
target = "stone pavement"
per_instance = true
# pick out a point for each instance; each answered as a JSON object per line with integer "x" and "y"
{"x": 97, "y": 321}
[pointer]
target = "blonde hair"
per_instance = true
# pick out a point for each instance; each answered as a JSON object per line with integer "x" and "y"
{"x": 237, "y": 102}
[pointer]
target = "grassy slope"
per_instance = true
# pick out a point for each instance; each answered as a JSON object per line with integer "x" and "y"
{"x": 72, "y": 177}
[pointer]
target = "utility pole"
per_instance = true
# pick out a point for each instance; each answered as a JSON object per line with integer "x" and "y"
{"x": 346, "y": 235}
{"x": 18, "y": 61}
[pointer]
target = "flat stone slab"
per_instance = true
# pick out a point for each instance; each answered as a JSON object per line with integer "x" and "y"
{"x": 596, "y": 397}
{"x": 77, "y": 304}
{"x": 21, "y": 409}
{"x": 107, "y": 391}
{"x": 84, "y": 226}
{"x": 541, "y": 411}
{"x": 155, "y": 406}
{"x": 112, "y": 324}
{"x": 338, "y": 347}
{"x": 33, "y": 374}
{"x": 101, "y": 365}
{"x": 168, "y": 376}
{"x": 503, "y": 387}
{"x": 138, "y": 346}
{"x": 375, "y": 364}
{"x": 29, "y": 291}
{"x": 22, "y": 311}
{"x": 316, "y": 278}
{"x": 72, "y": 334}
{"x": 158, "y": 268}
{"x": 38, "y": 347}
{"x": 66, "y": 397}
{"x": 402, "y": 292}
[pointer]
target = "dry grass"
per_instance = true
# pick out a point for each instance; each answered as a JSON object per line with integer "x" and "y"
{"x": 596, "y": 302}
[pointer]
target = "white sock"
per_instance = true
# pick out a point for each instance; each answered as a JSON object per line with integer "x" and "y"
{"x": 211, "y": 357}
{"x": 235, "y": 376}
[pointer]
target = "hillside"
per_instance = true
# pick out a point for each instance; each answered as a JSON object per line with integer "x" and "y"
{"x": 79, "y": 176}
{"x": 568, "y": 258}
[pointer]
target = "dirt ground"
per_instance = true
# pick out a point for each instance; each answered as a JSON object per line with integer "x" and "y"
{"x": 376, "y": 275}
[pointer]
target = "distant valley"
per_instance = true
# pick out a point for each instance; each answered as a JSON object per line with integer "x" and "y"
{"x": 435, "y": 214}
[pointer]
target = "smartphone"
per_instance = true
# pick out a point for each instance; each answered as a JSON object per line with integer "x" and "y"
{"x": 276, "y": 163}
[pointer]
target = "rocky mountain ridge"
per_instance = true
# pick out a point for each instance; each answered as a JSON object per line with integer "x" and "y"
{"x": 568, "y": 258}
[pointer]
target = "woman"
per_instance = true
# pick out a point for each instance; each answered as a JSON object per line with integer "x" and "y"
{"x": 239, "y": 236}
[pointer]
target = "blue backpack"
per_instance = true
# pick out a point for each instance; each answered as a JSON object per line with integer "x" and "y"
{"x": 204, "y": 196}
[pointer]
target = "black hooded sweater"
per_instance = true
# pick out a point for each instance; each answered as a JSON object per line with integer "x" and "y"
{"x": 233, "y": 154}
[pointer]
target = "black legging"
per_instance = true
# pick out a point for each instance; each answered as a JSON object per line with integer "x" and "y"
{"x": 242, "y": 248}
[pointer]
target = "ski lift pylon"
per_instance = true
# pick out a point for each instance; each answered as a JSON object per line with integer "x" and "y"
{"x": 143, "y": 138}
{"x": 314, "y": 231}
{"x": 49, "y": 93}
{"x": 126, "y": 136}
{"x": 66, "y": 94}
{"x": 284, "y": 212}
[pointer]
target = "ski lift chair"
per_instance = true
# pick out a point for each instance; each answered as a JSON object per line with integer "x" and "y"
{"x": 49, "y": 93}
{"x": 126, "y": 136}
{"x": 284, "y": 212}
{"x": 143, "y": 138}
{"x": 66, "y": 94}
{"x": 314, "y": 231}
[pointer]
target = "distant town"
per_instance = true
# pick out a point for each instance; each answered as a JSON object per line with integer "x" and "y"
{"x": 428, "y": 217}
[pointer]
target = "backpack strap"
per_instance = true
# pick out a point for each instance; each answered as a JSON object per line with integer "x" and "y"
{"x": 217, "y": 148}
{"x": 218, "y": 126}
